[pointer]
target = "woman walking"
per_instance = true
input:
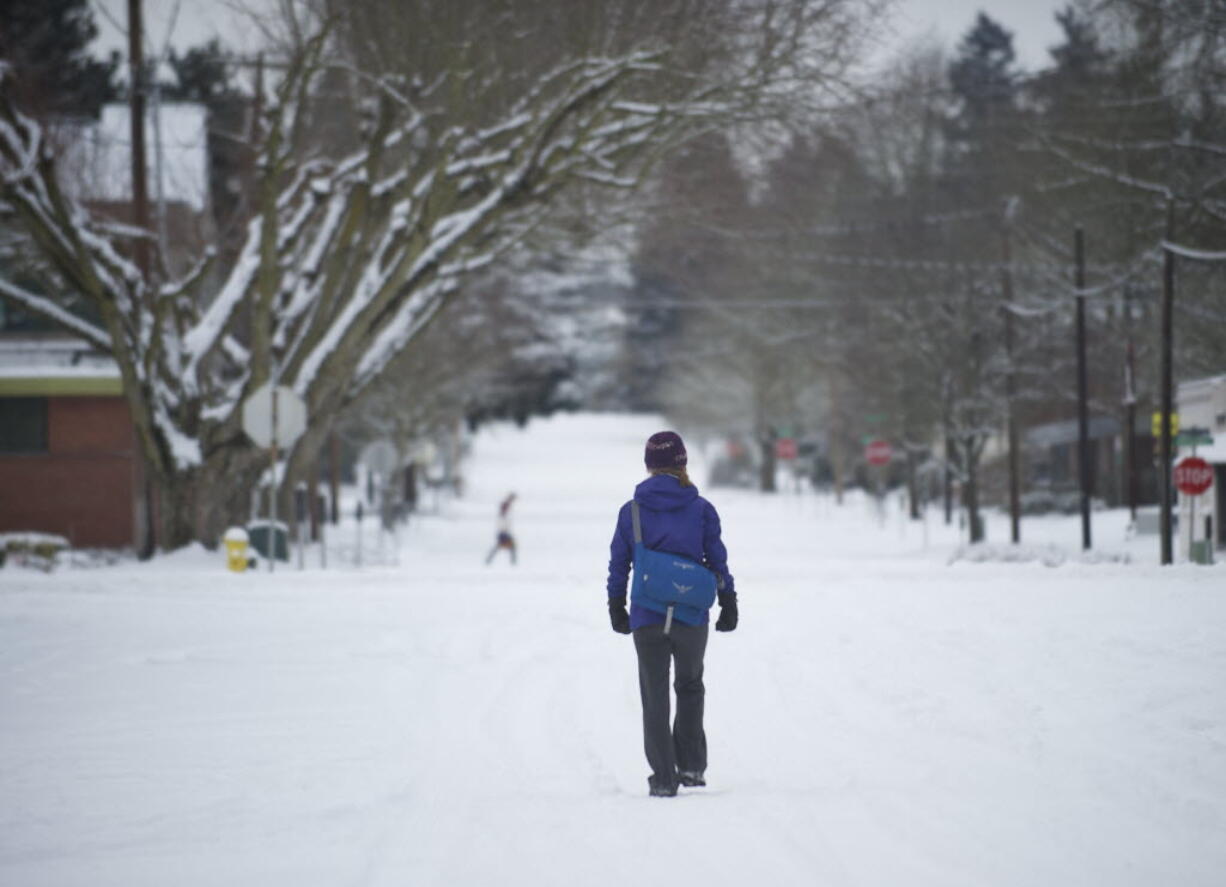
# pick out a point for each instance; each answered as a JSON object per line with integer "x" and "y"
{"x": 673, "y": 518}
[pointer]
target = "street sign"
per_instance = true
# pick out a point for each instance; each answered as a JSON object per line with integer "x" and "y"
{"x": 878, "y": 452}
{"x": 425, "y": 453}
{"x": 1194, "y": 437}
{"x": 380, "y": 457}
{"x": 785, "y": 448}
{"x": 258, "y": 415}
{"x": 1193, "y": 476}
{"x": 1157, "y": 424}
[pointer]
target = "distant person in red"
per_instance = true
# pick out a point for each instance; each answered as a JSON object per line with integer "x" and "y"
{"x": 505, "y": 539}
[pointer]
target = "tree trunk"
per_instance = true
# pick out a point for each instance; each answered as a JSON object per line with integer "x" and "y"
{"x": 200, "y": 503}
{"x": 837, "y": 468}
{"x": 912, "y": 485}
{"x": 766, "y": 447}
{"x": 948, "y": 480}
{"x": 972, "y": 492}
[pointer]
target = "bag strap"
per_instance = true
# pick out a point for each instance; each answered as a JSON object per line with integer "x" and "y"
{"x": 634, "y": 517}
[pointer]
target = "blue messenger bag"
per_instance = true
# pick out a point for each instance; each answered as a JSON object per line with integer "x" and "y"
{"x": 669, "y": 583}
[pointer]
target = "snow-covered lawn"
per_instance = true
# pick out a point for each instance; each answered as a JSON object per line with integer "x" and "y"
{"x": 881, "y": 717}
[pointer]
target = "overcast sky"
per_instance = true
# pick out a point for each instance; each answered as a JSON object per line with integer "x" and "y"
{"x": 196, "y": 21}
{"x": 1032, "y": 22}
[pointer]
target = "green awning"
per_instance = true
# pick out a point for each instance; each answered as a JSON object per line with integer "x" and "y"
{"x": 60, "y": 386}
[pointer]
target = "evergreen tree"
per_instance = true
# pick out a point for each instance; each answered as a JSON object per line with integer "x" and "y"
{"x": 202, "y": 74}
{"x": 46, "y": 42}
{"x": 982, "y": 173}
{"x": 982, "y": 75}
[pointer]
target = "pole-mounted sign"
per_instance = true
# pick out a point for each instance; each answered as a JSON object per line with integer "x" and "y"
{"x": 274, "y": 416}
{"x": 1193, "y": 476}
{"x": 786, "y": 448}
{"x": 878, "y": 452}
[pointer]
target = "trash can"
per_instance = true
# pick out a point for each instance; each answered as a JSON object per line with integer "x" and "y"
{"x": 260, "y": 534}
{"x": 236, "y": 543}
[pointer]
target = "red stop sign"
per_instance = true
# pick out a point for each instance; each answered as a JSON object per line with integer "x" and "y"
{"x": 785, "y": 448}
{"x": 878, "y": 452}
{"x": 1193, "y": 476}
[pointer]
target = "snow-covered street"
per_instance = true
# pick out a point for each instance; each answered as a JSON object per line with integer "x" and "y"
{"x": 880, "y": 717}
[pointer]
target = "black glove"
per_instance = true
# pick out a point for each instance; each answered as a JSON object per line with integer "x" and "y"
{"x": 618, "y": 616}
{"x": 727, "y": 612}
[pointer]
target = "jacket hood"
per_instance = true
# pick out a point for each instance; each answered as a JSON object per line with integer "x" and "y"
{"x": 663, "y": 492}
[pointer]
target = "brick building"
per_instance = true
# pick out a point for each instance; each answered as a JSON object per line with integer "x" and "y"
{"x": 69, "y": 462}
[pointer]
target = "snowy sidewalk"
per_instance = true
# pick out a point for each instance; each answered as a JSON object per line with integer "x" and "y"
{"x": 880, "y": 717}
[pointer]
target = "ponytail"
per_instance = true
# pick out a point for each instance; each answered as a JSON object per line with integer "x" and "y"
{"x": 678, "y": 473}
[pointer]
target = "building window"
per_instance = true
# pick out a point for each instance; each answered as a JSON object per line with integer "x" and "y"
{"x": 23, "y": 424}
{"x": 1221, "y": 420}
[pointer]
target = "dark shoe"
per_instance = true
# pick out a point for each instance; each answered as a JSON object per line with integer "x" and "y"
{"x": 661, "y": 789}
{"x": 691, "y": 778}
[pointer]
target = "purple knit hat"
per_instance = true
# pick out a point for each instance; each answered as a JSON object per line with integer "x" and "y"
{"x": 665, "y": 450}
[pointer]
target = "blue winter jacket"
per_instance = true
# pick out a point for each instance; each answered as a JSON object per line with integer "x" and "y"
{"x": 674, "y": 519}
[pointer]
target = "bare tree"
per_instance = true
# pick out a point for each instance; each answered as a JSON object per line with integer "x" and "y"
{"x": 405, "y": 146}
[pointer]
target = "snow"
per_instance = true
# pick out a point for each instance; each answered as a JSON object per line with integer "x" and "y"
{"x": 47, "y": 308}
{"x": 881, "y": 717}
{"x": 201, "y": 338}
{"x": 1199, "y": 255}
{"x": 31, "y": 539}
{"x": 62, "y": 357}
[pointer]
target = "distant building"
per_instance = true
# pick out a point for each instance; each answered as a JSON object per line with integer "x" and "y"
{"x": 96, "y": 168}
{"x": 69, "y": 461}
{"x": 1053, "y": 460}
{"x": 97, "y": 155}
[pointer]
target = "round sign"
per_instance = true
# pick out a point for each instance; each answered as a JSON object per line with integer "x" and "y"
{"x": 1193, "y": 476}
{"x": 878, "y": 452}
{"x": 380, "y": 457}
{"x": 267, "y": 402}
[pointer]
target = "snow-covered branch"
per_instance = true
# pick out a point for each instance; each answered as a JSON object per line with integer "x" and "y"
{"x": 47, "y": 309}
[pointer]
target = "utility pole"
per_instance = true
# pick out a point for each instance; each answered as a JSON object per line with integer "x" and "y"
{"x": 136, "y": 114}
{"x": 1015, "y": 499}
{"x": 1083, "y": 417}
{"x": 1083, "y": 388}
{"x": 140, "y": 217}
{"x": 947, "y": 486}
{"x": 1167, "y": 395}
{"x": 1130, "y": 406}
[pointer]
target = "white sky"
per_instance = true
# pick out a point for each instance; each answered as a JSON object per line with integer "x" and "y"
{"x": 1032, "y": 22}
{"x": 186, "y": 23}
{"x": 196, "y": 21}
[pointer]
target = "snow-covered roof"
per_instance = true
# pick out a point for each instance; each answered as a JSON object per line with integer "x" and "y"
{"x": 1201, "y": 403}
{"x": 97, "y": 154}
{"x": 55, "y": 365}
{"x": 1201, "y": 387}
{"x": 1214, "y": 453}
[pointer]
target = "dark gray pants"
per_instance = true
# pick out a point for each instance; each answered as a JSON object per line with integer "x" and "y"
{"x": 685, "y": 747}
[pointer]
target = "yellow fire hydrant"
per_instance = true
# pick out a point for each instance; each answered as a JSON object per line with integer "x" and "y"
{"x": 236, "y": 549}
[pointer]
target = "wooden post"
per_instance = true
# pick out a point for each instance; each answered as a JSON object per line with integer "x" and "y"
{"x": 1130, "y": 407}
{"x": 1083, "y": 396}
{"x": 1015, "y": 496}
{"x": 1167, "y": 388}
{"x": 334, "y": 476}
{"x": 140, "y": 219}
